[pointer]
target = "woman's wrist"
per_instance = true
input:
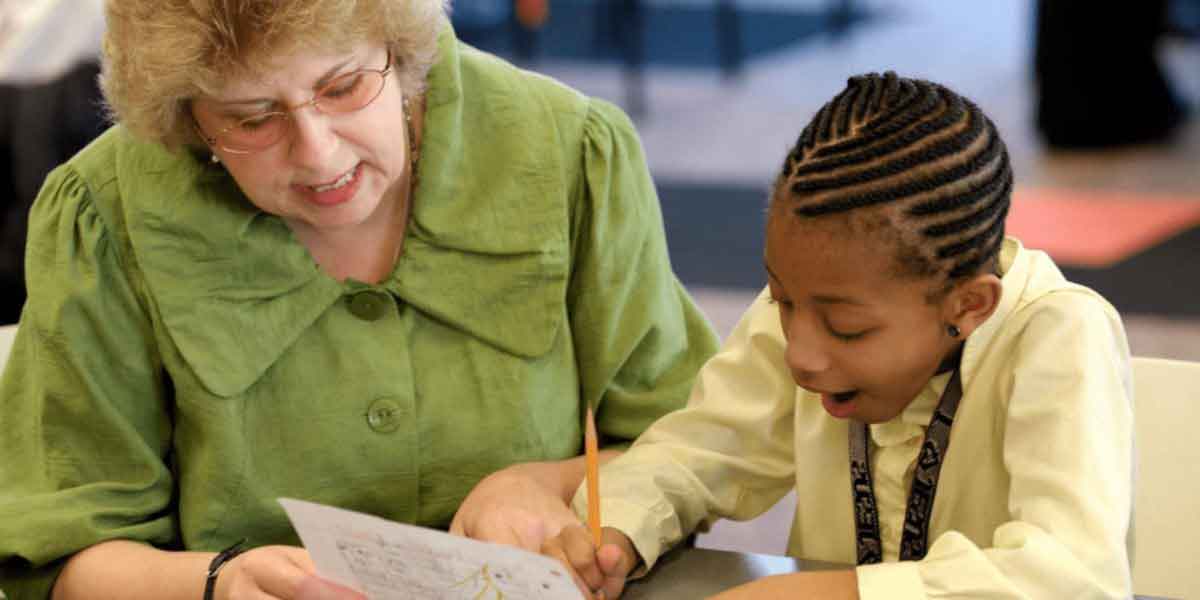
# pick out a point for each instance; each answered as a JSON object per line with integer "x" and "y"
{"x": 214, "y": 568}
{"x": 131, "y": 570}
{"x": 553, "y": 476}
{"x": 563, "y": 477}
{"x": 560, "y": 478}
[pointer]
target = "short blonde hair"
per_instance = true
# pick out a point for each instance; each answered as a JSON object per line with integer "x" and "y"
{"x": 158, "y": 55}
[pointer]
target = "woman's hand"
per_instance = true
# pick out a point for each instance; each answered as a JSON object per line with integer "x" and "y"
{"x": 599, "y": 573}
{"x": 522, "y": 505}
{"x": 276, "y": 572}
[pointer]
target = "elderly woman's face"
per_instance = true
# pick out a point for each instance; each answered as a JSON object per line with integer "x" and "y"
{"x": 329, "y": 172}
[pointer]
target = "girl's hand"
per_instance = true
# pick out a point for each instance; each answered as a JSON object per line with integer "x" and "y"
{"x": 599, "y": 573}
{"x": 276, "y": 572}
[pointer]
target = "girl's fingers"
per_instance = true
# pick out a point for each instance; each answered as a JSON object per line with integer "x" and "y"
{"x": 553, "y": 548}
{"x": 577, "y": 545}
{"x": 615, "y": 565}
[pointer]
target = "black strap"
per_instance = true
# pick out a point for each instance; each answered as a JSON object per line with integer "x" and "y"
{"x": 214, "y": 567}
{"x": 915, "y": 540}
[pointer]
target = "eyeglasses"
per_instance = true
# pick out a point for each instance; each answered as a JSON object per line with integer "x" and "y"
{"x": 345, "y": 93}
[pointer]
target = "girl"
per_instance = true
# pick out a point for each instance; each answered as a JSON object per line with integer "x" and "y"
{"x": 955, "y": 416}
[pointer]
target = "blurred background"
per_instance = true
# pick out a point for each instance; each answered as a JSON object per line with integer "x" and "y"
{"x": 1097, "y": 102}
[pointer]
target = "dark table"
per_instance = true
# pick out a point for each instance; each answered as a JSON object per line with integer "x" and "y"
{"x": 688, "y": 573}
{"x": 694, "y": 573}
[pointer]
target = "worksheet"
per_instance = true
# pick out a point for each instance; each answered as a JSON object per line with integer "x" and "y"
{"x": 387, "y": 560}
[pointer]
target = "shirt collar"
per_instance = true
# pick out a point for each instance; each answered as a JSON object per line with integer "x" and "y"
{"x": 912, "y": 421}
{"x": 1014, "y": 266}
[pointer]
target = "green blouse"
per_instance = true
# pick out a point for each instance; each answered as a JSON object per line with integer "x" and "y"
{"x": 182, "y": 362}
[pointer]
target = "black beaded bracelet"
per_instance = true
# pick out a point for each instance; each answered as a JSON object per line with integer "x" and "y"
{"x": 226, "y": 555}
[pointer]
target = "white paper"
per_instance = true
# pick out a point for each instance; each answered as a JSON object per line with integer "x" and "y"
{"x": 387, "y": 560}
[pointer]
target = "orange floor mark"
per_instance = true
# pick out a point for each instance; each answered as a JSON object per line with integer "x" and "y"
{"x": 1096, "y": 229}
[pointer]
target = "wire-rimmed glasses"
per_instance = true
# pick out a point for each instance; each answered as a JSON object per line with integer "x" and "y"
{"x": 345, "y": 93}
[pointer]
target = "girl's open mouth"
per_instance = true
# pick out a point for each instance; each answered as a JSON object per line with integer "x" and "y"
{"x": 840, "y": 405}
{"x": 844, "y": 397}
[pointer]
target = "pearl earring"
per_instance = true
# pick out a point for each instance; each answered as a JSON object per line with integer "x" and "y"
{"x": 213, "y": 159}
{"x": 953, "y": 330}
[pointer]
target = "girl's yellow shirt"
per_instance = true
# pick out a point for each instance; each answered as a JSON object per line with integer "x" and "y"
{"x": 1035, "y": 495}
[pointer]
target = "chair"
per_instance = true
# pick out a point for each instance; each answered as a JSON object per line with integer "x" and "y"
{"x": 1167, "y": 496}
{"x": 7, "y": 334}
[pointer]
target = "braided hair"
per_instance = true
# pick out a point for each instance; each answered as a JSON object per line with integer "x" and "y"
{"x": 925, "y": 156}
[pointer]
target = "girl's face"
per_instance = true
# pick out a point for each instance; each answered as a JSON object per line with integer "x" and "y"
{"x": 330, "y": 172}
{"x": 864, "y": 339}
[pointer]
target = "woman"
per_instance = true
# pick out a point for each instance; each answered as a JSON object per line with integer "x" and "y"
{"x": 328, "y": 253}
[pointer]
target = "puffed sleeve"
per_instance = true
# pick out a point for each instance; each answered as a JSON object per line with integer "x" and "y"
{"x": 729, "y": 453}
{"x": 639, "y": 338}
{"x": 84, "y": 425}
{"x": 1068, "y": 445}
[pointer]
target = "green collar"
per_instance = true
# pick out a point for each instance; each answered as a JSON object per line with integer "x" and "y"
{"x": 486, "y": 250}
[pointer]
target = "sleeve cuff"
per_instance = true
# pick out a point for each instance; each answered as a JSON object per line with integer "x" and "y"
{"x": 893, "y": 580}
{"x": 638, "y": 523}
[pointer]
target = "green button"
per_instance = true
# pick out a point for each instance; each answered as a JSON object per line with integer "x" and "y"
{"x": 384, "y": 415}
{"x": 368, "y": 306}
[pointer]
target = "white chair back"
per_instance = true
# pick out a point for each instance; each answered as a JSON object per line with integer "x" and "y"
{"x": 7, "y": 334}
{"x": 1167, "y": 492}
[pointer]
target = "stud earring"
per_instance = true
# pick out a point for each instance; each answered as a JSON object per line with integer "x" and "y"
{"x": 213, "y": 159}
{"x": 953, "y": 330}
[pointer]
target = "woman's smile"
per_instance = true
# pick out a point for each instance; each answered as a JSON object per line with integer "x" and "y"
{"x": 331, "y": 168}
{"x": 339, "y": 191}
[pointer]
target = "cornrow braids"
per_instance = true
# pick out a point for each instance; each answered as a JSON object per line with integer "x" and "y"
{"x": 917, "y": 150}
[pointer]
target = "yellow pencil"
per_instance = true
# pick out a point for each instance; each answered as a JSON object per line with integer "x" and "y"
{"x": 591, "y": 452}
